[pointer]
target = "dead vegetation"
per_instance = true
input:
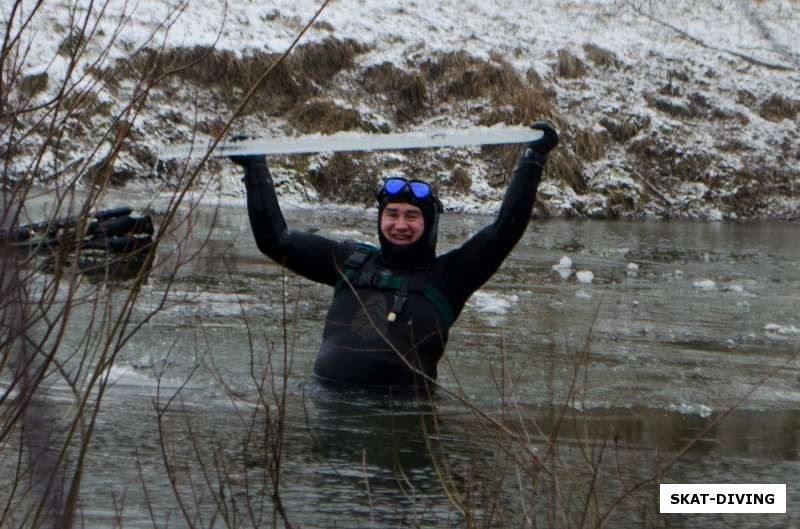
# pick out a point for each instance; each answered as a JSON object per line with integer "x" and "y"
{"x": 408, "y": 92}
{"x": 346, "y": 178}
{"x": 778, "y": 108}
{"x": 569, "y": 66}
{"x": 34, "y": 84}
{"x": 459, "y": 76}
{"x": 673, "y": 108}
{"x": 591, "y": 145}
{"x": 292, "y": 82}
{"x": 327, "y": 118}
{"x": 459, "y": 180}
{"x": 624, "y": 129}
{"x": 565, "y": 167}
{"x": 320, "y": 61}
{"x": 601, "y": 57}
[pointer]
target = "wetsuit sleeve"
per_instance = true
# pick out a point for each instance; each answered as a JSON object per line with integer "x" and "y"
{"x": 471, "y": 265}
{"x": 311, "y": 256}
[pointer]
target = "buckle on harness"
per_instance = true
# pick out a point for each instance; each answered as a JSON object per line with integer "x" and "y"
{"x": 397, "y": 306}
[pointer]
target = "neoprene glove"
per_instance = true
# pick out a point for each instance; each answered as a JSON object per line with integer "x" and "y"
{"x": 243, "y": 161}
{"x": 548, "y": 141}
{"x": 249, "y": 160}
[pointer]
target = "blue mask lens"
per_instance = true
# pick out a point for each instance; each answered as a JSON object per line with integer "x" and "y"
{"x": 394, "y": 186}
{"x": 420, "y": 189}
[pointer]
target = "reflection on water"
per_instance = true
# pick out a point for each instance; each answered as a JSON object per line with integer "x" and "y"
{"x": 663, "y": 349}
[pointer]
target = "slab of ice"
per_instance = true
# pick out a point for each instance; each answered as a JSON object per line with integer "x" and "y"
{"x": 704, "y": 284}
{"x": 785, "y": 330}
{"x": 564, "y": 264}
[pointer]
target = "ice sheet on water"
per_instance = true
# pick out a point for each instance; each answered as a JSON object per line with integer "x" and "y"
{"x": 492, "y": 306}
{"x": 691, "y": 409}
{"x": 344, "y": 235}
{"x": 493, "y": 302}
{"x": 784, "y": 330}
{"x": 128, "y": 376}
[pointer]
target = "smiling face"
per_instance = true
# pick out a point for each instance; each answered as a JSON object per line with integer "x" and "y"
{"x": 402, "y": 223}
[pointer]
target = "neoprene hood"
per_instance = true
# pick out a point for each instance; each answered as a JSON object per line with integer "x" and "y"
{"x": 418, "y": 253}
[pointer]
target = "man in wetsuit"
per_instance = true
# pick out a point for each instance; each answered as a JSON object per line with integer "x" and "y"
{"x": 393, "y": 306}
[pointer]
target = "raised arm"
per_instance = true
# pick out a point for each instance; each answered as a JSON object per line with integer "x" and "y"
{"x": 311, "y": 256}
{"x": 472, "y": 264}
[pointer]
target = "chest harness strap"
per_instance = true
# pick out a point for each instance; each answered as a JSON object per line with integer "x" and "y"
{"x": 385, "y": 279}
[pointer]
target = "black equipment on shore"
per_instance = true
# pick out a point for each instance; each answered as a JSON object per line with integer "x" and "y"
{"x": 106, "y": 236}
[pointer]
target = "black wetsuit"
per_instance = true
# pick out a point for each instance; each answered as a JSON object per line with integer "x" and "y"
{"x": 354, "y": 345}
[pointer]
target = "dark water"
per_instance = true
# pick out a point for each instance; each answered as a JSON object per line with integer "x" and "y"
{"x": 630, "y": 368}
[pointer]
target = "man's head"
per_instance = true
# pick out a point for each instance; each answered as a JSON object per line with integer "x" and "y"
{"x": 402, "y": 223}
{"x": 408, "y": 212}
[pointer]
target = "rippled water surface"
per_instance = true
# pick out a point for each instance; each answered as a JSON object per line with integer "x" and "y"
{"x": 680, "y": 323}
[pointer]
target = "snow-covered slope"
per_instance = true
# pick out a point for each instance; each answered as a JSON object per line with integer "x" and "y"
{"x": 675, "y": 108}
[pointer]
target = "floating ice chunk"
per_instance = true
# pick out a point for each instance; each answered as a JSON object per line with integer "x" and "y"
{"x": 564, "y": 267}
{"x": 564, "y": 264}
{"x": 786, "y": 330}
{"x": 738, "y": 289}
{"x": 493, "y": 307}
{"x": 691, "y": 409}
{"x": 493, "y": 302}
{"x": 565, "y": 272}
{"x": 582, "y": 294}
{"x": 341, "y": 235}
{"x": 585, "y": 276}
{"x": 705, "y": 284}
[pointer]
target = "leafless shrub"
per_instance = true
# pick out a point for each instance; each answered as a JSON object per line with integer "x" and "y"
{"x": 55, "y": 281}
{"x": 570, "y": 66}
